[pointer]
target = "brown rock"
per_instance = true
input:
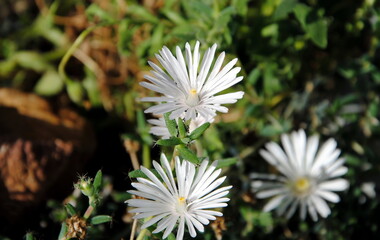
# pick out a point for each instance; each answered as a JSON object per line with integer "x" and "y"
{"x": 41, "y": 150}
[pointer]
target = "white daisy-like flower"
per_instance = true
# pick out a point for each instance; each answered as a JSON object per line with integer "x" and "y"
{"x": 186, "y": 200}
{"x": 309, "y": 176}
{"x": 159, "y": 126}
{"x": 189, "y": 85}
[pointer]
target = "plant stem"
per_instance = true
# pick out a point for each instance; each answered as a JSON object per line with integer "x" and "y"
{"x": 134, "y": 226}
{"x": 69, "y": 53}
{"x": 142, "y": 234}
{"x": 88, "y": 212}
{"x": 146, "y": 156}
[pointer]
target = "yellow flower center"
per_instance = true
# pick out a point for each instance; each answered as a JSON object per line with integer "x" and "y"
{"x": 181, "y": 205}
{"x": 192, "y": 99}
{"x": 301, "y": 186}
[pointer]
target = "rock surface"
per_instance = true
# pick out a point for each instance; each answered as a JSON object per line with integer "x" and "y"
{"x": 41, "y": 150}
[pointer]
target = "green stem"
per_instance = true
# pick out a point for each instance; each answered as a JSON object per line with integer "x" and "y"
{"x": 142, "y": 234}
{"x": 146, "y": 156}
{"x": 69, "y": 53}
{"x": 88, "y": 212}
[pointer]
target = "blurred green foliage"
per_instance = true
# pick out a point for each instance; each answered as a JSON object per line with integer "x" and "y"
{"x": 307, "y": 64}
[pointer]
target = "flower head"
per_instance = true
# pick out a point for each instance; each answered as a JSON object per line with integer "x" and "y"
{"x": 160, "y": 129}
{"x": 189, "y": 85}
{"x": 309, "y": 177}
{"x": 186, "y": 200}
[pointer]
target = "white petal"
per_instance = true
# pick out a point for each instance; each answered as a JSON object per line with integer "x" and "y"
{"x": 334, "y": 185}
{"x": 321, "y": 206}
{"x": 273, "y": 203}
{"x": 329, "y": 196}
{"x": 270, "y": 192}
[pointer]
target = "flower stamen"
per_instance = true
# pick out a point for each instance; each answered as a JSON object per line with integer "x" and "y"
{"x": 301, "y": 186}
{"x": 181, "y": 205}
{"x": 192, "y": 99}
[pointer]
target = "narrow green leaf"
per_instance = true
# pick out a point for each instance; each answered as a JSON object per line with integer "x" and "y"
{"x": 63, "y": 232}
{"x": 142, "y": 13}
{"x": 71, "y": 210}
{"x": 142, "y": 128}
{"x": 226, "y": 162}
{"x": 169, "y": 142}
{"x": 181, "y": 128}
{"x": 140, "y": 174}
{"x": 171, "y": 125}
{"x": 187, "y": 154}
{"x": 95, "y": 11}
{"x": 98, "y": 181}
{"x": 173, "y": 16}
{"x": 199, "y": 131}
{"x": 100, "y": 219}
{"x": 156, "y": 39}
{"x": 137, "y": 174}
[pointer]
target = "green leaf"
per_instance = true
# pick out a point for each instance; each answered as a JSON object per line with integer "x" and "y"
{"x": 137, "y": 174}
{"x": 169, "y": 142}
{"x": 125, "y": 34}
{"x": 254, "y": 76}
{"x": 100, "y": 219}
{"x": 142, "y": 13}
{"x": 196, "y": 133}
{"x": 301, "y": 11}
{"x": 318, "y": 32}
{"x": 49, "y": 84}
{"x": 241, "y": 6}
{"x": 95, "y": 11}
{"x": 271, "y": 81}
{"x": 313, "y": 23}
{"x": 226, "y": 162}
{"x": 29, "y": 236}
{"x": 171, "y": 237}
{"x": 173, "y": 16}
{"x": 140, "y": 174}
{"x": 63, "y": 232}
{"x": 142, "y": 128}
{"x": 32, "y": 60}
{"x": 156, "y": 39}
{"x": 181, "y": 128}
{"x": 70, "y": 209}
{"x": 187, "y": 154}
{"x": 270, "y": 30}
{"x": 75, "y": 91}
{"x": 284, "y": 8}
{"x": 171, "y": 125}
{"x": 185, "y": 140}
{"x": 98, "y": 181}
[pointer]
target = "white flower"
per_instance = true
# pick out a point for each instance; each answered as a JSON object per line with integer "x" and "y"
{"x": 189, "y": 89}
{"x": 309, "y": 178}
{"x": 186, "y": 200}
{"x": 159, "y": 126}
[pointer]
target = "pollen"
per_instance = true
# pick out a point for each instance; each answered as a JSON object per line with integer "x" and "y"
{"x": 193, "y": 91}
